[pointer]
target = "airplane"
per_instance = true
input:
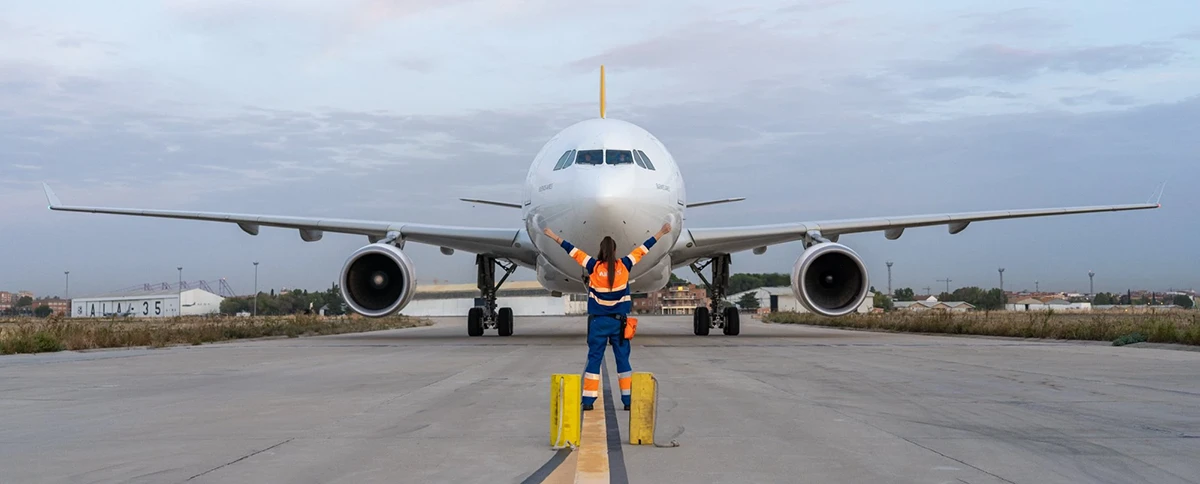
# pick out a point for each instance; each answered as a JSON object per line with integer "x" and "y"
{"x": 598, "y": 177}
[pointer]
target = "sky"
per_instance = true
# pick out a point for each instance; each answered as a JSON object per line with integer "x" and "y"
{"x": 392, "y": 110}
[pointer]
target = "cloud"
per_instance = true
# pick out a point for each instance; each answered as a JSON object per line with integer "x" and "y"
{"x": 1003, "y": 95}
{"x": 1107, "y": 97}
{"x": 1024, "y": 22}
{"x": 1012, "y": 64}
{"x": 420, "y": 65}
{"x": 717, "y": 50}
{"x": 79, "y": 41}
{"x": 943, "y": 93}
{"x": 810, "y": 6}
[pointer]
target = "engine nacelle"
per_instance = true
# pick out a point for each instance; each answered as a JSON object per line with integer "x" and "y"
{"x": 378, "y": 280}
{"x": 830, "y": 279}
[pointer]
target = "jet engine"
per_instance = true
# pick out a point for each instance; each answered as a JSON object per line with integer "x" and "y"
{"x": 378, "y": 280}
{"x": 829, "y": 279}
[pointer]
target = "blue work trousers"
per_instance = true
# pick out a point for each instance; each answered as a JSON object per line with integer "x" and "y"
{"x": 605, "y": 330}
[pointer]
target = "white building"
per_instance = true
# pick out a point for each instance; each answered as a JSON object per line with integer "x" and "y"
{"x": 780, "y": 298}
{"x": 932, "y": 304}
{"x": 1056, "y": 304}
{"x": 526, "y": 298}
{"x": 157, "y": 304}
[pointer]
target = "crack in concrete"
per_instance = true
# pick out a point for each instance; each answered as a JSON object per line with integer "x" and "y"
{"x": 242, "y": 458}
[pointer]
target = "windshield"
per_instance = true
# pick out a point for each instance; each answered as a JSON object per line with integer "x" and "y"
{"x": 619, "y": 157}
{"x": 590, "y": 157}
{"x": 645, "y": 159}
{"x": 565, "y": 160}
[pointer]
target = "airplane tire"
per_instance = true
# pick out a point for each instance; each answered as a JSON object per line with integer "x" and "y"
{"x": 475, "y": 322}
{"x": 504, "y": 322}
{"x": 732, "y": 323}
{"x": 701, "y": 321}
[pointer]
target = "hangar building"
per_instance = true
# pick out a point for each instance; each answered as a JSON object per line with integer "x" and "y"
{"x": 151, "y": 304}
{"x": 776, "y": 299}
{"x": 526, "y": 298}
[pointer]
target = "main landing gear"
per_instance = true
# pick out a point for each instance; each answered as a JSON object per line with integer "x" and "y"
{"x": 717, "y": 317}
{"x": 487, "y": 316}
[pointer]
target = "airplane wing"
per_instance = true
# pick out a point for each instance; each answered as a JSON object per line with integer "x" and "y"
{"x": 708, "y": 242}
{"x": 510, "y": 244}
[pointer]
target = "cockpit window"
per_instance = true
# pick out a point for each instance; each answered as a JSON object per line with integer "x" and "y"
{"x": 618, "y": 157}
{"x": 565, "y": 160}
{"x": 590, "y": 157}
{"x": 638, "y": 159}
{"x": 645, "y": 159}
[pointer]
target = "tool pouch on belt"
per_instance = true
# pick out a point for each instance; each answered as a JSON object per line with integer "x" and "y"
{"x": 629, "y": 328}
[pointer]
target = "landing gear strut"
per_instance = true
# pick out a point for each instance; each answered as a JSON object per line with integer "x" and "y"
{"x": 726, "y": 318}
{"x": 488, "y": 316}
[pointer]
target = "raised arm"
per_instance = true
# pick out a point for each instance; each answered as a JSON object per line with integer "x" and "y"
{"x": 580, "y": 256}
{"x": 641, "y": 250}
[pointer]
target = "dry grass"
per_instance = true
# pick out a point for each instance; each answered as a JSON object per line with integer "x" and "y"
{"x": 1157, "y": 327}
{"x": 25, "y": 335}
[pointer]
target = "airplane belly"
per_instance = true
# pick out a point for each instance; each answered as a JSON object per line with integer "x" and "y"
{"x": 567, "y": 277}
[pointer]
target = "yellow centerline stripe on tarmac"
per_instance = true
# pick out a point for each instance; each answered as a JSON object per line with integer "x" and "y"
{"x": 588, "y": 463}
{"x": 592, "y": 465}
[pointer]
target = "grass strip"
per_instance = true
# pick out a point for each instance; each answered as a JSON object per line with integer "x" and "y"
{"x": 29, "y": 335}
{"x": 1174, "y": 326}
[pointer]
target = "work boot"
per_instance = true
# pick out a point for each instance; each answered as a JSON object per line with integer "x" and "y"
{"x": 627, "y": 408}
{"x": 587, "y": 406}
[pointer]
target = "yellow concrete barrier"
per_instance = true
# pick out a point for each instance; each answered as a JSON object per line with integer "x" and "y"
{"x": 642, "y": 399}
{"x": 566, "y": 401}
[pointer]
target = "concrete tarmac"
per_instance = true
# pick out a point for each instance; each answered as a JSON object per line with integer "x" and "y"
{"x": 779, "y": 403}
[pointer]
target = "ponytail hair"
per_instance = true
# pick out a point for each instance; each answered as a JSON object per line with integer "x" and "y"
{"x": 608, "y": 256}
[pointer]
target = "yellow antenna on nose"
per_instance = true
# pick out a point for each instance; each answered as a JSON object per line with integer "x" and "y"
{"x": 602, "y": 90}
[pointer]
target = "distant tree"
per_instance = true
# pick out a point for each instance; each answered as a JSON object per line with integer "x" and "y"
{"x": 748, "y": 302}
{"x": 676, "y": 280}
{"x": 1104, "y": 299}
{"x": 293, "y": 302}
{"x": 883, "y": 301}
{"x": 234, "y": 305}
{"x": 24, "y": 302}
{"x": 1183, "y": 301}
{"x": 742, "y": 282}
{"x": 904, "y": 294}
{"x": 42, "y": 311}
{"x": 994, "y": 300}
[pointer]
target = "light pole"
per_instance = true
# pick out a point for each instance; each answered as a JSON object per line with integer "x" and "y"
{"x": 1001, "y": 269}
{"x": 1036, "y": 287}
{"x": 179, "y": 293}
{"x": 889, "y": 264}
{"x": 255, "y": 288}
{"x": 1091, "y": 284}
{"x": 67, "y": 291}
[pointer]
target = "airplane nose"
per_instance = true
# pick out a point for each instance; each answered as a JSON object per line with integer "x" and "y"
{"x": 610, "y": 195}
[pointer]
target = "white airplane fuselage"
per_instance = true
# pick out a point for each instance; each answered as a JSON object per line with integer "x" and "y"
{"x": 583, "y": 203}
